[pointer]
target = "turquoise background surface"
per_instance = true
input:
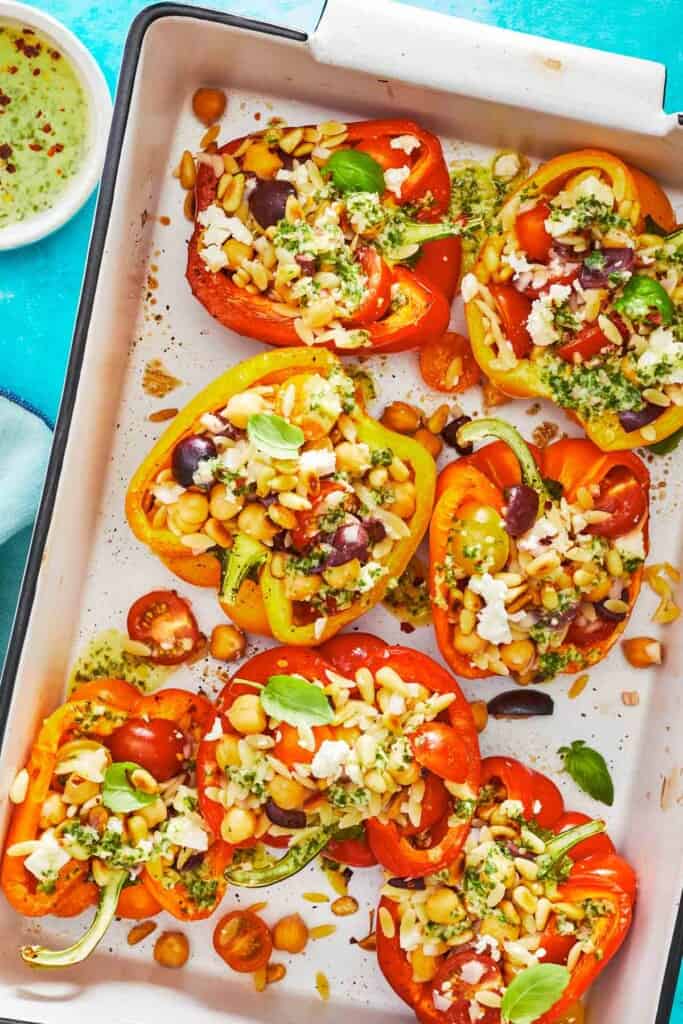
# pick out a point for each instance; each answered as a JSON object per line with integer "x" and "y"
{"x": 39, "y": 286}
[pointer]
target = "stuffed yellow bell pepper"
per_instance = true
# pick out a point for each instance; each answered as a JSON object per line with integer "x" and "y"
{"x": 274, "y": 486}
{"x": 577, "y": 296}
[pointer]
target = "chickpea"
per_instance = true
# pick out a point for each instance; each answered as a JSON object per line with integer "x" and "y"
{"x": 518, "y": 656}
{"x": 600, "y": 589}
{"x": 468, "y": 643}
{"x": 227, "y": 643}
{"x": 193, "y": 507}
{"x": 443, "y": 906}
{"x": 137, "y": 828}
{"x": 154, "y": 813}
{"x": 424, "y": 967}
{"x": 253, "y": 520}
{"x": 237, "y": 825}
{"x": 290, "y": 934}
{"x": 430, "y": 441}
{"x": 227, "y": 752}
{"x": 401, "y": 417}
{"x": 405, "y": 775}
{"x": 287, "y": 793}
{"x": 78, "y": 790}
{"x": 176, "y": 522}
{"x": 300, "y": 588}
{"x": 246, "y": 714}
{"x": 97, "y": 817}
{"x": 223, "y": 505}
{"x": 341, "y": 576}
{"x": 240, "y": 407}
{"x": 171, "y": 949}
{"x": 403, "y": 504}
{"x": 353, "y": 458}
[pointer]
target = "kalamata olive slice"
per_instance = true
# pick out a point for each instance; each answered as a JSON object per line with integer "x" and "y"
{"x": 610, "y": 616}
{"x": 187, "y": 455}
{"x": 307, "y": 262}
{"x": 614, "y": 260}
{"x": 268, "y": 200}
{"x": 285, "y": 819}
{"x": 375, "y": 530}
{"x": 450, "y": 435}
{"x": 521, "y": 509}
{"x": 349, "y": 542}
{"x": 407, "y": 883}
{"x": 635, "y": 419}
{"x": 521, "y": 703}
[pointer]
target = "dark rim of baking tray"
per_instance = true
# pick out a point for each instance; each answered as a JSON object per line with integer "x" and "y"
{"x": 131, "y": 55}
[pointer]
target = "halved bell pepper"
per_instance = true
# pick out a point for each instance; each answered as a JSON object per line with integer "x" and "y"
{"x": 599, "y": 880}
{"x": 618, "y": 481}
{"x": 420, "y": 294}
{"x": 250, "y": 594}
{"x": 518, "y": 372}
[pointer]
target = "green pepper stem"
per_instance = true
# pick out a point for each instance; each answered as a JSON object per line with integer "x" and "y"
{"x": 477, "y": 430}
{"x": 38, "y": 956}
{"x": 297, "y": 857}
{"x": 561, "y": 844}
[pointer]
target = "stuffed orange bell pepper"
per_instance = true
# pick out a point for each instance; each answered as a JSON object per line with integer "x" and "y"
{"x": 578, "y": 297}
{"x": 535, "y": 556}
{"x": 275, "y": 487}
{"x": 106, "y": 812}
{"x": 327, "y": 235}
{"x": 525, "y": 897}
{"x": 361, "y": 749}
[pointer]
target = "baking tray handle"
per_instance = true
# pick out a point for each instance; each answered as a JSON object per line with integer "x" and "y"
{"x": 394, "y": 40}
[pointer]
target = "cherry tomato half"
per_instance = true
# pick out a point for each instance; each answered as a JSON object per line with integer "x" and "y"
{"x": 479, "y": 542}
{"x": 437, "y": 359}
{"x": 514, "y": 309}
{"x": 534, "y": 240}
{"x": 625, "y": 498}
{"x": 157, "y": 745}
{"x": 377, "y": 292}
{"x": 437, "y": 747}
{"x": 351, "y": 651}
{"x": 166, "y": 624}
{"x": 588, "y": 342}
{"x": 288, "y": 750}
{"x": 462, "y": 992}
{"x": 243, "y": 940}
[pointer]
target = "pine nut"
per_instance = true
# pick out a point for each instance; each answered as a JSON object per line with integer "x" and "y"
{"x": 524, "y": 899}
{"x": 386, "y": 923}
{"x": 488, "y": 998}
{"x": 209, "y": 136}
{"x": 188, "y": 171}
{"x": 574, "y": 955}
{"x": 139, "y": 932}
{"x": 322, "y": 931}
{"x": 543, "y": 909}
{"x": 344, "y": 906}
{"x": 527, "y": 868}
{"x": 19, "y": 787}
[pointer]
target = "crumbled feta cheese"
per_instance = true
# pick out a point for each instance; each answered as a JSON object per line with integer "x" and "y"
{"x": 632, "y": 544}
{"x": 394, "y": 178}
{"x": 441, "y": 1002}
{"x": 595, "y": 189}
{"x": 214, "y": 424}
{"x": 540, "y": 320}
{"x": 47, "y": 859}
{"x": 319, "y": 626}
{"x": 405, "y": 142}
{"x": 369, "y": 576}
{"x": 214, "y": 257}
{"x": 396, "y": 705}
{"x": 89, "y": 764}
{"x": 204, "y": 473}
{"x": 487, "y": 944}
{"x": 517, "y": 261}
{"x": 329, "y": 759}
{"x": 188, "y": 831}
{"x": 233, "y": 459}
{"x": 559, "y": 224}
{"x": 472, "y": 971}
{"x": 469, "y": 287}
{"x": 216, "y": 730}
{"x": 542, "y": 530}
{"x": 663, "y": 357}
{"x": 475, "y": 1010}
{"x": 320, "y": 461}
{"x": 492, "y": 620}
{"x": 167, "y": 494}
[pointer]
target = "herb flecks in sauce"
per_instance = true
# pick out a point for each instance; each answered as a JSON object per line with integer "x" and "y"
{"x": 43, "y": 123}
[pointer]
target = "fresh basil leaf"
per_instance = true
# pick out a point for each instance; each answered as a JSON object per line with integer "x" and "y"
{"x": 669, "y": 444}
{"x": 589, "y": 771}
{"x": 532, "y": 992}
{"x": 295, "y": 701}
{"x": 274, "y": 436}
{"x": 118, "y": 794}
{"x": 352, "y": 170}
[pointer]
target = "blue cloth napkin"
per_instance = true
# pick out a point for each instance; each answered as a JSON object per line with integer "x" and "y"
{"x": 24, "y": 447}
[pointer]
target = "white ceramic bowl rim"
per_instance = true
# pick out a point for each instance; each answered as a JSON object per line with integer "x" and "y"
{"x": 68, "y": 202}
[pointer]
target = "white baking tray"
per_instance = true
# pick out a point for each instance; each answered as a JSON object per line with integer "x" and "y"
{"x": 481, "y": 89}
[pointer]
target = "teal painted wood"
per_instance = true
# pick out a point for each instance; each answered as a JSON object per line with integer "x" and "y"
{"x": 39, "y": 286}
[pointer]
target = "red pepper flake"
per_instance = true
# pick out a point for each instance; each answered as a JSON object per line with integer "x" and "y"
{"x": 4, "y": 99}
{"x": 407, "y": 627}
{"x": 11, "y": 169}
{"x": 47, "y": 128}
{"x": 13, "y": 69}
{"x": 56, "y": 148}
{"x": 55, "y": 54}
{"x": 5, "y": 151}
{"x": 29, "y": 50}
{"x": 35, "y": 146}
{"x": 36, "y": 72}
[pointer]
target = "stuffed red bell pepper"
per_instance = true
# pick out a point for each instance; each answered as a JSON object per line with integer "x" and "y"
{"x": 536, "y": 556}
{"x": 109, "y": 815}
{"x": 332, "y": 234}
{"x": 364, "y": 749}
{"x": 523, "y": 895}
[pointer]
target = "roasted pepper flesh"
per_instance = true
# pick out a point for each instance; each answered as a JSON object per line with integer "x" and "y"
{"x": 574, "y": 299}
{"x": 300, "y": 228}
{"x": 535, "y": 565}
{"x": 360, "y": 762}
{"x": 440, "y": 948}
{"x": 300, "y": 539}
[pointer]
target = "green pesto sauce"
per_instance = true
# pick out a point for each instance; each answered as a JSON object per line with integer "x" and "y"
{"x": 43, "y": 123}
{"x": 591, "y": 390}
{"x": 104, "y": 657}
{"x": 409, "y": 599}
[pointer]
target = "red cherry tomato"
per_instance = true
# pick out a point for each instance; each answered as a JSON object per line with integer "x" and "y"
{"x": 243, "y": 940}
{"x": 534, "y": 240}
{"x": 354, "y": 852}
{"x": 165, "y": 623}
{"x": 462, "y": 992}
{"x": 556, "y": 946}
{"x": 157, "y": 745}
{"x": 601, "y": 844}
{"x": 514, "y": 309}
{"x": 377, "y": 292}
{"x": 288, "y": 750}
{"x": 351, "y": 651}
{"x": 307, "y": 521}
{"x": 587, "y": 343}
{"x": 436, "y": 358}
{"x": 381, "y": 150}
{"x": 434, "y": 806}
{"x": 547, "y": 798}
{"x": 438, "y": 747}
{"x": 625, "y": 498}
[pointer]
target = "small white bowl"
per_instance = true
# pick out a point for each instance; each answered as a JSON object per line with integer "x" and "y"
{"x": 68, "y": 202}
